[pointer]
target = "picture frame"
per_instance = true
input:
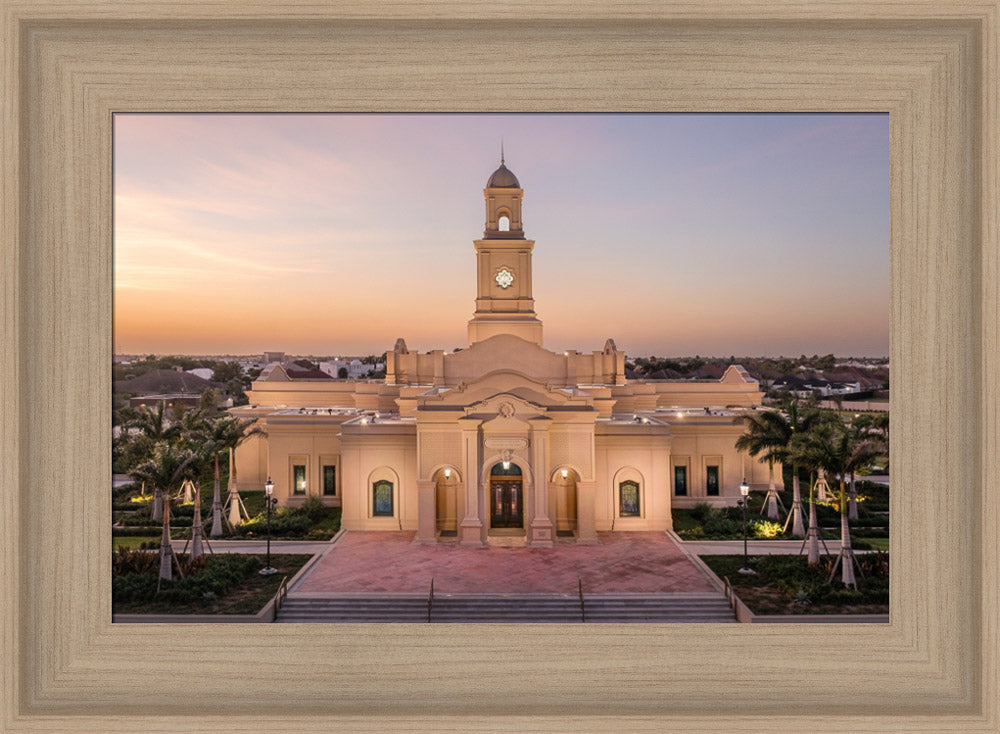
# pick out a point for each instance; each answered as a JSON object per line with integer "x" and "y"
{"x": 67, "y": 68}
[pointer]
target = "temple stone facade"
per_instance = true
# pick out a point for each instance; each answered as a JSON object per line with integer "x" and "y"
{"x": 504, "y": 437}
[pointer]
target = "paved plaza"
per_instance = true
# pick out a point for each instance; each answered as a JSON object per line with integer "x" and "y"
{"x": 389, "y": 562}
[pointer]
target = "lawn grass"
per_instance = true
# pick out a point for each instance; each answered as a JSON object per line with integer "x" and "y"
{"x": 227, "y": 584}
{"x": 788, "y": 585}
{"x": 133, "y": 541}
{"x": 881, "y": 544}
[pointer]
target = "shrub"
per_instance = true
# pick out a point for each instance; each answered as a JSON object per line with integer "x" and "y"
{"x": 314, "y": 509}
{"x": 765, "y": 528}
{"x": 702, "y": 511}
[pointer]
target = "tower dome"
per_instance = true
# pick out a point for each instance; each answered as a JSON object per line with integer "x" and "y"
{"x": 503, "y": 178}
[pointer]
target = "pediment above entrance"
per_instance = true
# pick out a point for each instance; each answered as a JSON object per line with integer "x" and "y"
{"x": 521, "y": 394}
{"x": 511, "y": 413}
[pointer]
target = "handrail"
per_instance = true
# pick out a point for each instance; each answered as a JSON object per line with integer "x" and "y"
{"x": 278, "y": 599}
{"x": 730, "y": 594}
{"x": 281, "y": 594}
{"x": 430, "y": 600}
{"x": 583, "y": 609}
{"x": 740, "y": 610}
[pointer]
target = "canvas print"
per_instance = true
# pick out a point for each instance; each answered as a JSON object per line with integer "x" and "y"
{"x": 525, "y": 368}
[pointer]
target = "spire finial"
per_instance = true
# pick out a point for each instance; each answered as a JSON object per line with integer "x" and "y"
{"x": 501, "y": 150}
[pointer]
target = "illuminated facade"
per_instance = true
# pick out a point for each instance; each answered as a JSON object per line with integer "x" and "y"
{"x": 504, "y": 437}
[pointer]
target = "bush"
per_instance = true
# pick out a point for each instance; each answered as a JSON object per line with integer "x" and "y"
{"x": 765, "y": 528}
{"x": 314, "y": 509}
{"x": 702, "y": 511}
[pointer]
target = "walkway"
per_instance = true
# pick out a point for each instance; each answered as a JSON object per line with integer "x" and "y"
{"x": 388, "y": 562}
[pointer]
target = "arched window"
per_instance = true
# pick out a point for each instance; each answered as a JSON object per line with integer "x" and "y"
{"x": 628, "y": 499}
{"x": 503, "y": 224}
{"x": 382, "y": 505}
{"x": 498, "y": 470}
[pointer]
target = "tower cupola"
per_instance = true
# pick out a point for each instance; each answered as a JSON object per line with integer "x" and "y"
{"x": 503, "y": 204}
{"x": 504, "y": 304}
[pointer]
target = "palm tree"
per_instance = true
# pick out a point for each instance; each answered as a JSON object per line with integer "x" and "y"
{"x": 803, "y": 450}
{"x": 765, "y": 437}
{"x": 224, "y": 434}
{"x": 865, "y": 429}
{"x": 154, "y": 423}
{"x": 835, "y": 450}
{"x": 169, "y": 466}
{"x": 772, "y": 433}
{"x": 800, "y": 419}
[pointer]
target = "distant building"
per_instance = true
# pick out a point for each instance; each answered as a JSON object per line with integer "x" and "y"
{"x": 270, "y": 357}
{"x": 503, "y": 437}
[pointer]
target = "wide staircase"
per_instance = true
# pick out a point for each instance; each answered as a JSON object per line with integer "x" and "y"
{"x": 677, "y": 607}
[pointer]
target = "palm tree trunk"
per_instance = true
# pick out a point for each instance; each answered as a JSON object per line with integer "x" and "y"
{"x": 798, "y": 531}
{"x": 846, "y": 552}
{"x": 196, "y": 550}
{"x": 812, "y": 539}
{"x": 166, "y": 550}
{"x": 772, "y": 498}
{"x": 216, "y": 503}
{"x": 157, "y": 515}
{"x": 235, "y": 503}
{"x": 853, "y": 514}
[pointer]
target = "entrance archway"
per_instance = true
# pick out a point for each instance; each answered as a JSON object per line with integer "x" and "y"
{"x": 506, "y": 496}
{"x": 563, "y": 500}
{"x": 446, "y": 501}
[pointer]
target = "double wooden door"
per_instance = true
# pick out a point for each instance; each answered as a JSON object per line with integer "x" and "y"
{"x": 506, "y": 501}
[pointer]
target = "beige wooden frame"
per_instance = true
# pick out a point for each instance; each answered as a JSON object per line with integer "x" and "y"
{"x": 67, "y": 66}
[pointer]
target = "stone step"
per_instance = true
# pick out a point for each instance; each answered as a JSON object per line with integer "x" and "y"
{"x": 500, "y": 608}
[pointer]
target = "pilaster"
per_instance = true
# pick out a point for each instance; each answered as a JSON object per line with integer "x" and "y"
{"x": 541, "y": 532}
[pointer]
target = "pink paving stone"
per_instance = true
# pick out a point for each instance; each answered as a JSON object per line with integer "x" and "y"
{"x": 646, "y": 562}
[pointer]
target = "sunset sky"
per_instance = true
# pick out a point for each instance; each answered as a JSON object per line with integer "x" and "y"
{"x": 335, "y": 234}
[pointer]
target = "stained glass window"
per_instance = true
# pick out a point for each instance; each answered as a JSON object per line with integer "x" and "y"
{"x": 382, "y": 498}
{"x": 299, "y": 479}
{"x": 511, "y": 471}
{"x": 712, "y": 481}
{"x": 329, "y": 479}
{"x": 629, "y": 493}
{"x": 681, "y": 481}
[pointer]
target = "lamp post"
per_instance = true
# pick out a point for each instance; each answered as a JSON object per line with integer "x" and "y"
{"x": 270, "y": 502}
{"x": 744, "y": 504}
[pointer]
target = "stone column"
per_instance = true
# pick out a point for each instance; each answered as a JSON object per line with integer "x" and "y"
{"x": 426, "y": 511}
{"x": 586, "y": 528}
{"x": 471, "y": 529}
{"x": 541, "y": 532}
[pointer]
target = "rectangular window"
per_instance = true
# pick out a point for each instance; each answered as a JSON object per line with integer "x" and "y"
{"x": 629, "y": 494}
{"x": 712, "y": 481}
{"x": 681, "y": 481}
{"x": 382, "y": 499}
{"x": 329, "y": 479}
{"x": 298, "y": 479}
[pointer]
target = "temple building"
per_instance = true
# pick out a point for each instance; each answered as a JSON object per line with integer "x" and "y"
{"x": 504, "y": 437}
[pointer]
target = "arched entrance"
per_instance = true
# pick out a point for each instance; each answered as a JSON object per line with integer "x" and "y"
{"x": 506, "y": 496}
{"x": 562, "y": 501}
{"x": 446, "y": 502}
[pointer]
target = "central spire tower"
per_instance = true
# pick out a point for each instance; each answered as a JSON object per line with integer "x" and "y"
{"x": 504, "y": 304}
